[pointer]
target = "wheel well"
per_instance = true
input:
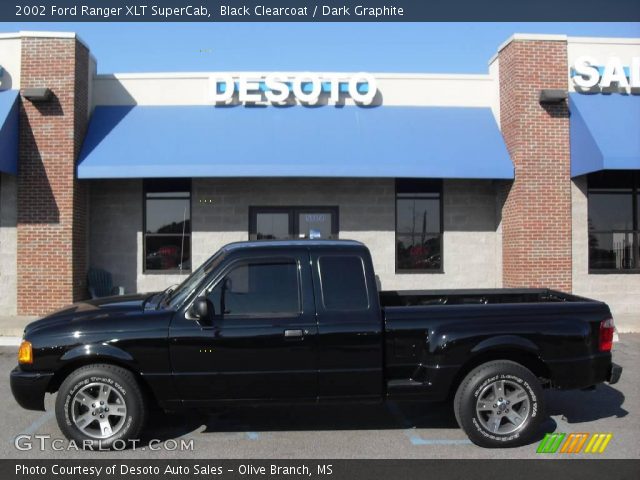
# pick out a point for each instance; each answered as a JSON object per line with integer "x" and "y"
{"x": 65, "y": 371}
{"x": 527, "y": 359}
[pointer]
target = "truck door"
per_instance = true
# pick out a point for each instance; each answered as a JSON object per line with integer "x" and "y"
{"x": 261, "y": 341}
{"x": 349, "y": 325}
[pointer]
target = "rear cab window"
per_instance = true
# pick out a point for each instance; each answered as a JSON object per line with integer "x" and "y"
{"x": 343, "y": 283}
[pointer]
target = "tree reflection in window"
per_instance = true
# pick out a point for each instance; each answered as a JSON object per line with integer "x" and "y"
{"x": 167, "y": 225}
{"x": 419, "y": 225}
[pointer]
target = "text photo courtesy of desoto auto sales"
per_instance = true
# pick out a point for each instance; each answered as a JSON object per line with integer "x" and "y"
{"x": 336, "y": 240}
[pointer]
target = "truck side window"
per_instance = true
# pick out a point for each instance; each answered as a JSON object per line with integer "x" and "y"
{"x": 254, "y": 289}
{"x": 343, "y": 282}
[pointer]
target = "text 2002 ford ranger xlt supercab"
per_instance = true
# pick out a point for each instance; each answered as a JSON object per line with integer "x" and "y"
{"x": 299, "y": 321}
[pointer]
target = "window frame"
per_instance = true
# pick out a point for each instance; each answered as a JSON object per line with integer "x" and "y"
{"x": 437, "y": 185}
{"x": 293, "y": 211}
{"x": 635, "y": 223}
{"x": 149, "y": 187}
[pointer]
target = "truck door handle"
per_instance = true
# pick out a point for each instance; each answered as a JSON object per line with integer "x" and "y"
{"x": 294, "y": 334}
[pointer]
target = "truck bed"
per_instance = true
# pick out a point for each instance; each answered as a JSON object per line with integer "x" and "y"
{"x": 431, "y": 334}
{"x": 408, "y": 298}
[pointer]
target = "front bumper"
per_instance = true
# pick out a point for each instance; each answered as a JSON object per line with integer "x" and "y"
{"x": 614, "y": 374}
{"x": 28, "y": 388}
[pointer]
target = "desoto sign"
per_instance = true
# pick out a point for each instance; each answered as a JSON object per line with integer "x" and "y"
{"x": 587, "y": 74}
{"x": 306, "y": 88}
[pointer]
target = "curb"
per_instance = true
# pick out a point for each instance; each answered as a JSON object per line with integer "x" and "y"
{"x": 6, "y": 341}
{"x": 11, "y": 332}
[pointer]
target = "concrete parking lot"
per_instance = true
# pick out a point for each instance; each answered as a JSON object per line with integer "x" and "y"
{"x": 346, "y": 431}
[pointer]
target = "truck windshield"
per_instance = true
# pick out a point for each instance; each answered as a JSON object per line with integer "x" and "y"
{"x": 191, "y": 283}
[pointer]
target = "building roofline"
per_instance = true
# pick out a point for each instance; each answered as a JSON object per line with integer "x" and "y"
{"x": 532, "y": 37}
{"x": 606, "y": 40}
{"x": 527, "y": 37}
{"x": 39, "y": 34}
{"x": 564, "y": 38}
{"x": 379, "y": 75}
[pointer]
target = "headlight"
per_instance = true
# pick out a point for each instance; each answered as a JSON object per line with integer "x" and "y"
{"x": 25, "y": 353}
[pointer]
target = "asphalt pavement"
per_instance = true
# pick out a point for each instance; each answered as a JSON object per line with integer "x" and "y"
{"x": 390, "y": 430}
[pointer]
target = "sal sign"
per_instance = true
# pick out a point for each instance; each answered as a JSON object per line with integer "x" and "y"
{"x": 587, "y": 74}
{"x": 306, "y": 88}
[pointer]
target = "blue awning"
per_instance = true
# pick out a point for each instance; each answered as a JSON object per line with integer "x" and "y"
{"x": 327, "y": 141}
{"x": 9, "y": 120}
{"x": 605, "y": 132}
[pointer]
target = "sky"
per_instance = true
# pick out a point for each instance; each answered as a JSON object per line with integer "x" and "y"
{"x": 371, "y": 47}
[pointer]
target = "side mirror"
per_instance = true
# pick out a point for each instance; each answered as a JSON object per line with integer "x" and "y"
{"x": 200, "y": 308}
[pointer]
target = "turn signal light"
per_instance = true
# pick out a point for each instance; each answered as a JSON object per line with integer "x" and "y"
{"x": 25, "y": 353}
{"x": 606, "y": 335}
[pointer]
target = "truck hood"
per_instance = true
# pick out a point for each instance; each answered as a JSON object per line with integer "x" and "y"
{"x": 104, "y": 309}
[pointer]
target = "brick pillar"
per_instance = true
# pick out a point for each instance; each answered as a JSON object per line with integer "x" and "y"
{"x": 536, "y": 215}
{"x": 51, "y": 203}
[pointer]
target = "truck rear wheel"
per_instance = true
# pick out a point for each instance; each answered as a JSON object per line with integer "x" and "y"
{"x": 499, "y": 404}
{"x": 100, "y": 406}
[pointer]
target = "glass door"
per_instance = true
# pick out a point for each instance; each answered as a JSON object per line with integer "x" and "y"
{"x": 284, "y": 223}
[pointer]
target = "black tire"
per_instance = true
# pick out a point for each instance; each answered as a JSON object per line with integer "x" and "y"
{"x": 483, "y": 383}
{"x": 125, "y": 393}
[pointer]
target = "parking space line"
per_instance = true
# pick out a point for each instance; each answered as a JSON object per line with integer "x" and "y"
{"x": 417, "y": 440}
{"x": 36, "y": 424}
{"x": 411, "y": 434}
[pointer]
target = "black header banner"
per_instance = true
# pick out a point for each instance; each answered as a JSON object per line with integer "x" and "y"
{"x": 317, "y": 10}
{"x": 326, "y": 469}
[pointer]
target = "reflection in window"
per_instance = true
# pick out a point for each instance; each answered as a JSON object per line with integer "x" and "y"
{"x": 167, "y": 225}
{"x": 258, "y": 289}
{"x": 419, "y": 225}
{"x": 613, "y": 221}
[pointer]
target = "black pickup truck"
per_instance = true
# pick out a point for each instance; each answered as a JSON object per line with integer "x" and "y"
{"x": 303, "y": 321}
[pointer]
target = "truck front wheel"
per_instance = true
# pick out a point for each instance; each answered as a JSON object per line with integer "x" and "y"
{"x": 499, "y": 404}
{"x": 100, "y": 406}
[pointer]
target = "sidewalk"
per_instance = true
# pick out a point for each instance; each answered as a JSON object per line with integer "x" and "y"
{"x": 11, "y": 328}
{"x": 627, "y": 323}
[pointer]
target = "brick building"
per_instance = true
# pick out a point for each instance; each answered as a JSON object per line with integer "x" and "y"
{"x": 526, "y": 176}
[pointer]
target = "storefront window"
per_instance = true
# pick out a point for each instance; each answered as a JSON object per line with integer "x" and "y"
{"x": 613, "y": 221}
{"x": 167, "y": 225}
{"x": 419, "y": 225}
